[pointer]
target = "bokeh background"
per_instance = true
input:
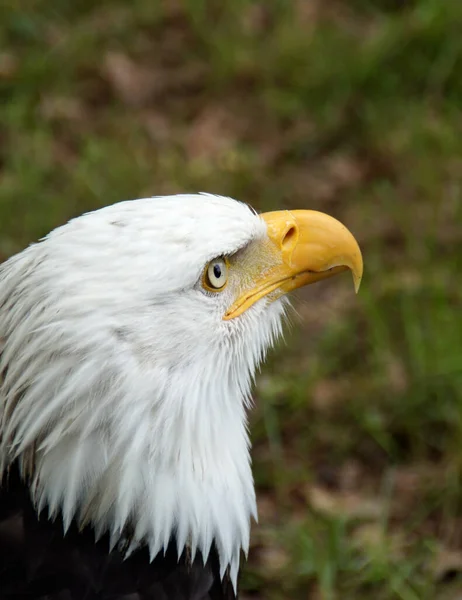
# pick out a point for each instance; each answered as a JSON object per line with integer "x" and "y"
{"x": 350, "y": 107}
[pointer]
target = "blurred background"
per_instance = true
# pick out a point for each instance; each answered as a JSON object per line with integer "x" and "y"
{"x": 349, "y": 107}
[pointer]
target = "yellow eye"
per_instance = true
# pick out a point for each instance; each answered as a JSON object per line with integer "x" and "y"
{"x": 216, "y": 275}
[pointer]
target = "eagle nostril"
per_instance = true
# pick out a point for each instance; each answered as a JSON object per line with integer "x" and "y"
{"x": 290, "y": 238}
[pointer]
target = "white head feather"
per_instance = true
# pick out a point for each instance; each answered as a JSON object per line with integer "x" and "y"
{"x": 123, "y": 392}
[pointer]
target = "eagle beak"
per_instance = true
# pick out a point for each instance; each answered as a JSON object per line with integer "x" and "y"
{"x": 308, "y": 246}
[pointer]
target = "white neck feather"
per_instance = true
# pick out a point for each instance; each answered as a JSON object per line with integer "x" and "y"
{"x": 121, "y": 416}
{"x": 114, "y": 442}
{"x": 178, "y": 468}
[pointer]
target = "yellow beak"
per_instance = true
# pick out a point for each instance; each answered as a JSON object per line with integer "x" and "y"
{"x": 308, "y": 246}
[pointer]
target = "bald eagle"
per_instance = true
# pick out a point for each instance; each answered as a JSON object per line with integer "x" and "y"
{"x": 129, "y": 338}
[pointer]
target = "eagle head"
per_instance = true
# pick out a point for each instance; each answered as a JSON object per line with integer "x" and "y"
{"x": 129, "y": 338}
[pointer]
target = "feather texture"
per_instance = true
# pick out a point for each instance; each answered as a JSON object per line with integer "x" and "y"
{"x": 123, "y": 392}
{"x": 37, "y": 561}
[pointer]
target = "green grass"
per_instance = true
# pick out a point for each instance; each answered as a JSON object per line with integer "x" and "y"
{"x": 353, "y": 109}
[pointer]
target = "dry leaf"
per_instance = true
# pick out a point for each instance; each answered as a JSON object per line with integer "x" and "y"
{"x": 9, "y": 65}
{"x": 255, "y": 19}
{"x": 446, "y": 563}
{"x": 397, "y": 374}
{"x": 344, "y": 504}
{"x": 328, "y": 393}
{"x": 61, "y": 108}
{"x": 135, "y": 85}
{"x": 308, "y": 11}
{"x": 158, "y": 127}
{"x": 267, "y": 507}
{"x": 345, "y": 170}
{"x": 273, "y": 557}
{"x": 212, "y": 134}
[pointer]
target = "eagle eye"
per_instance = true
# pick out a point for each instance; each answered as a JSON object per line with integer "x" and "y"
{"x": 215, "y": 275}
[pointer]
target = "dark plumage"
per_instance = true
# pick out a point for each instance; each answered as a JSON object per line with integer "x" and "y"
{"x": 36, "y": 561}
